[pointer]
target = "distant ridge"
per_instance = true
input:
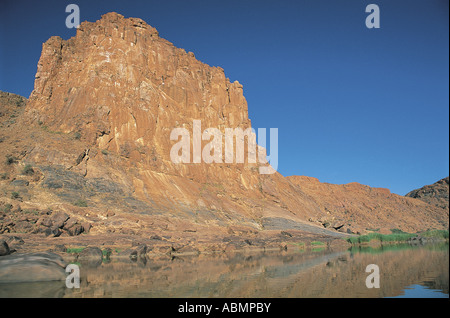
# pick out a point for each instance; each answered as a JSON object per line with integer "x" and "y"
{"x": 436, "y": 194}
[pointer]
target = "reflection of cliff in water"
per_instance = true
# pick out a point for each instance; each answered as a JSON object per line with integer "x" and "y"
{"x": 400, "y": 266}
{"x": 303, "y": 274}
{"x": 307, "y": 274}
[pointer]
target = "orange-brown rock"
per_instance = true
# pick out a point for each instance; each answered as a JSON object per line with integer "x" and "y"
{"x": 96, "y": 132}
{"x": 360, "y": 207}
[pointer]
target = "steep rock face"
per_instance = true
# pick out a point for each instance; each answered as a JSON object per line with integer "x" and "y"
{"x": 436, "y": 194}
{"x": 122, "y": 89}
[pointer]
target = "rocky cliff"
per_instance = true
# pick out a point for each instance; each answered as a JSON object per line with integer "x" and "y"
{"x": 94, "y": 140}
{"x": 436, "y": 194}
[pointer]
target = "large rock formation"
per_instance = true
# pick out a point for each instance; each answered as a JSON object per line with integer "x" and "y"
{"x": 94, "y": 142}
{"x": 122, "y": 89}
{"x": 436, "y": 194}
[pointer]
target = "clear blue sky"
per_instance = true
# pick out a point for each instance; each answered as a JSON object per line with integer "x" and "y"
{"x": 351, "y": 104}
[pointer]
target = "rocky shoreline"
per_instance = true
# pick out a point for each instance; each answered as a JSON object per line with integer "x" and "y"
{"x": 22, "y": 251}
{"x": 168, "y": 244}
{"x": 36, "y": 257}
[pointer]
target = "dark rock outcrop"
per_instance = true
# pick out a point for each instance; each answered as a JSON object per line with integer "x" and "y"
{"x": 436, "y": 194}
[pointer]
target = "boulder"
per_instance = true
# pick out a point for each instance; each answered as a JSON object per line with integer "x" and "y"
{"x": 86, "y": 226}
{"x": 45, "y": 221}
{"x": 76, "y": 229}
{"x": 14, "y": 242}
{"x": 139, "y": 251}
{"x": 69, "y": 223}
{"x": 4, "y": 248}
{"x": 32, "y": 267}
{"x": 59, "y": 248}
{"x": 20, "y": 183}
{"x": 156, "y": 237}
{"x": 52, "y": 231}
{"x": 73, "y": 227}
{"x": 90, "y": 253}
{"x": 58, "y": 219}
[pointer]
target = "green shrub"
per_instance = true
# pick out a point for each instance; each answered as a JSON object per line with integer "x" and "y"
{"x": 352, "y": 240}
{"x": 15, "y": 195}
{"x": 106, "y": 253}
{"x": 80, "y": 203}
{"x": 74, "y": 250}
{"x": 7, "y": 208}
{"x": 28, "y": 170}
{"x": 398, "y": 237}
{"x": 435, "y": 234}
{"x": 10, "y": 160}
{"x": 364, "y": 239}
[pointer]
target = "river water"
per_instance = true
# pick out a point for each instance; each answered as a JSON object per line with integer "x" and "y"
{"x": 404, "y": 271}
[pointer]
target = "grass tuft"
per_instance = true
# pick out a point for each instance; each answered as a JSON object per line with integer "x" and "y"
{"x": 28, "y": 170}
{"x": 74, "y": 250}
{"x": 81, "y": 203}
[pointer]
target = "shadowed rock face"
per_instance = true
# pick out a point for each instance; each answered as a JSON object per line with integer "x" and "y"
{"x": 436, "y": 194}
{"x": 96, "y": 130}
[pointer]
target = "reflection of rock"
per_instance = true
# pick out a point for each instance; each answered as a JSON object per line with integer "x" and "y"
{"x": 307, "y": 274}
{"x": 138, "y": 252}
{"x": 53, "y": 289}
{"x": 91, "y": 256}
{"x": 32, "y": 267}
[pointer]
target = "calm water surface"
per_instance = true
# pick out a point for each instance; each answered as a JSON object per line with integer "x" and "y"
{"x": 405, "y": 271}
